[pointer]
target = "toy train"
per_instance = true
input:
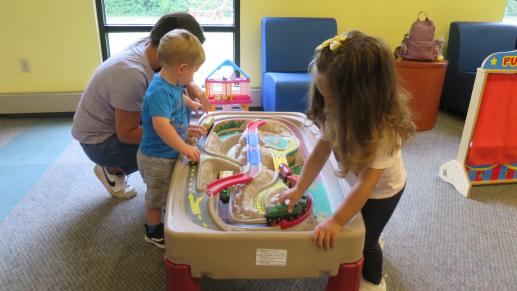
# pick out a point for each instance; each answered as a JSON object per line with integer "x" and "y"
{"x": 286, "y": 175}
{"x": 224, "y": 195}
{"x": 276, "y": 213}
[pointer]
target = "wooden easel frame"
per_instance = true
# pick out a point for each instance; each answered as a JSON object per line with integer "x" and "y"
{"x": 454, "y": 171}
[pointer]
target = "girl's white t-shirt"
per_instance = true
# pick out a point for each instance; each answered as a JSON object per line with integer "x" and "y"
{"x": 393, "y": 177}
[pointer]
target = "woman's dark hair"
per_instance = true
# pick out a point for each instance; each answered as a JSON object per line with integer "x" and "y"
{"x": 175, "y": 20}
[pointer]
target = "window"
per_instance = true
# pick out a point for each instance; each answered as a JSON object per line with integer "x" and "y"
{"x": 122, "y": 22}
{"x": 510, "y": 14}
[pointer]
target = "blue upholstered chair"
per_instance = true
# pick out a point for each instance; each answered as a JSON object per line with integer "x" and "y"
{"x": 469, "y": 44}
{"x": 287, "y": 47}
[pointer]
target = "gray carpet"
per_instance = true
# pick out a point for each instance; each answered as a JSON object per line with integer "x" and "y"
{"x": 67, "y": 233}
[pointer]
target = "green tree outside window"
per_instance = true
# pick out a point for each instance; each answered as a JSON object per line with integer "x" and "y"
{"x": 511, "y": 8}
{"x": 159, "y": 7}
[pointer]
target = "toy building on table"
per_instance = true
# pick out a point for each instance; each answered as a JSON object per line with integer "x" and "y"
{"x": 228, "y": 92}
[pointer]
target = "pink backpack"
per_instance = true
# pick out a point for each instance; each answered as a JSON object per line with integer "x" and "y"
{"x": 419, "y": 44}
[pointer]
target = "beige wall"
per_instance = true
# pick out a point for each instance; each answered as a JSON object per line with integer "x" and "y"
{"x": 60, "y": 38}
{"x": 386, "y": 19}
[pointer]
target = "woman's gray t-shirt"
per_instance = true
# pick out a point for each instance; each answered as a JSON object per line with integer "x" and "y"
{"x": 120, "y": 82}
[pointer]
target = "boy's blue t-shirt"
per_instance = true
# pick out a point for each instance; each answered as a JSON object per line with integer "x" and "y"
{"x": 166, "y": 100}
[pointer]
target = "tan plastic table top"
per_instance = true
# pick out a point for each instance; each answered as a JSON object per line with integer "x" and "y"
{"x": 256, "y": 254}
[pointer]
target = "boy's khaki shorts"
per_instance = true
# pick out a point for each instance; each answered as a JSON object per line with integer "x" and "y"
{"x": 156, "y": 173}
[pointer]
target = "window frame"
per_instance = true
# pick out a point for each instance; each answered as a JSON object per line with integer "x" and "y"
{"x": 105, "y": 29}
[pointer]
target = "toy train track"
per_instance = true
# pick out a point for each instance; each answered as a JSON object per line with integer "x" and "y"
{"x": 221, "y": 184}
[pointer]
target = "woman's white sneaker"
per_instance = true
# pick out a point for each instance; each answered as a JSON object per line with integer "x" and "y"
{"x": 116, "y": 185}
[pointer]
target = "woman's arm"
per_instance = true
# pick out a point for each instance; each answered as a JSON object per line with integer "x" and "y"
{"x": 310, "y": 171}
{"x": 196, "y": 92}
{"x": 127, "y": 126}
{"x": 192, "y": 104}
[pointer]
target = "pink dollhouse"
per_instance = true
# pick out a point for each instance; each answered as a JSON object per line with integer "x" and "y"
{"x": 228, "y": 93}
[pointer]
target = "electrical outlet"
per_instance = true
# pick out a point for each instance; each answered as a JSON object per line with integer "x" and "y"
{"x": 24, "y": 66}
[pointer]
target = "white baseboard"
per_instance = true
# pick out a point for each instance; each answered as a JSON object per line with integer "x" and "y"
{"x": 64, "y": 102}
{"x": 39, "y": 102}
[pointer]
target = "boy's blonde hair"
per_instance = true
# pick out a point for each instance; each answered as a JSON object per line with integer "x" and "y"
{"x": 180, "y": 46}
{"x": 367, "y": 103}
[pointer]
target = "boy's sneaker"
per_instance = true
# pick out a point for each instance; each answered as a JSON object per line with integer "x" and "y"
{"x": 115, "y": 184}
{"x": 156, "y": 237}
{"x": 369, "y": 286}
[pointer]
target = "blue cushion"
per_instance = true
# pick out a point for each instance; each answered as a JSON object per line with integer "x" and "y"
{"x": 471, "y": 42}
{"x": 288, "y": 43}
{"x": 285, "y": 91}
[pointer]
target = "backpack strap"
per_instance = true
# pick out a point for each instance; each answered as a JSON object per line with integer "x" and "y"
{"x": 418, "y": 16}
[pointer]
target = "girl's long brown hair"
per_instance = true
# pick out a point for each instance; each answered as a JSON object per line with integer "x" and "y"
{"x": 367, "y": 104}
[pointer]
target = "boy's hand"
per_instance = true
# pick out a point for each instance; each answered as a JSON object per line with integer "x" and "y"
{"x": 192, "y": 153}
{"x": 325, "y": 233}
{"x": 293, "y": 195}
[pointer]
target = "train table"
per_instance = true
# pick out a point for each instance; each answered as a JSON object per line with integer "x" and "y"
{"x": 222, "y": 219}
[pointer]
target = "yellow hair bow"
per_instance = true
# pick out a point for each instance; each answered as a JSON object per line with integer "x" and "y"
{"x": 332, "y": 43}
